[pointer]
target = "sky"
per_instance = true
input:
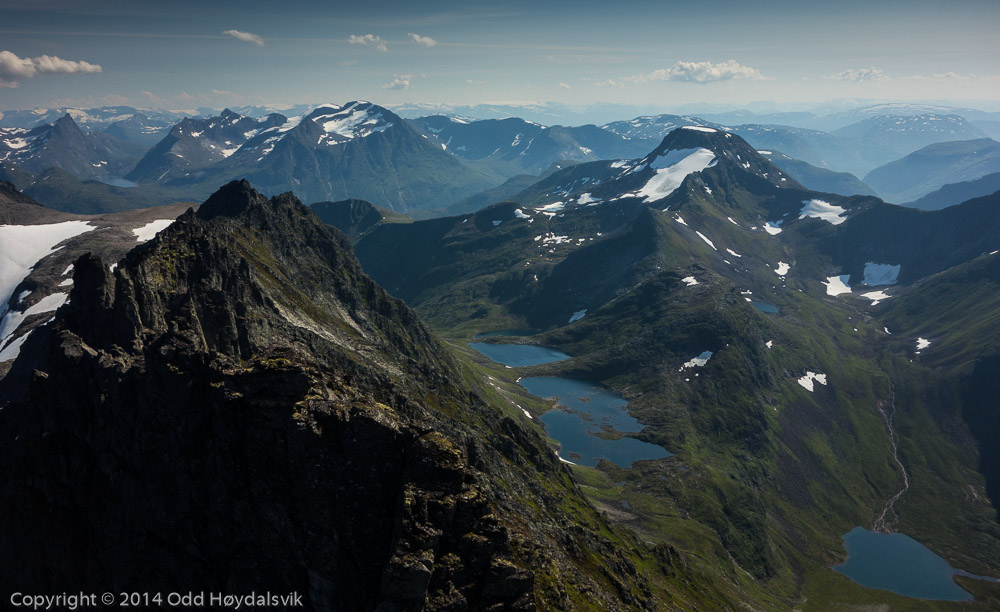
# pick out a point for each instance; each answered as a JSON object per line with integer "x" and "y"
{"x": 184, "y": 54}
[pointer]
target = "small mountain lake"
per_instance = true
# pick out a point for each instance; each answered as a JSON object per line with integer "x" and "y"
{"x": 517, "y": 355}
{"x": 765, "y": 307}
{"x": 118, "y": 182}
{"x": 898, "y": 563}
{"x": 584, "y": 410}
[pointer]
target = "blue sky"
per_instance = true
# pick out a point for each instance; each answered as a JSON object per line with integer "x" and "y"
{"x": 184, "y": 54}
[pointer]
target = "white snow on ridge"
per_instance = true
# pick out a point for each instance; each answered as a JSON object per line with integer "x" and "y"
{"x": 146, "y": 232}
{"x": 698, "y": 128}
{"x": 822, "y": 210}
{"x": 579, "y": 314}
{"x": 23, "y": 246}
{"x": 668, "y": 179}
{"x": 551, "y": 208}
{"x": 352, "y": 122}
{"x": 707, "y": 241}
{"x": 835, "y": 285}
{"x": 880, "y": 274}
{"x": 807, "y": 380}
{"x": 520, "y": 214}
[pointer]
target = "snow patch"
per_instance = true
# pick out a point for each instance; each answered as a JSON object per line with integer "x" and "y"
{"x": 146, "y": 232}
{"x": 876, "y": 296}
{"x": 579, "y": 314}
{"x": 807, "y": 380}
{"x": 769, "y": 344}
{"x": 822, "y": 210}
{"x": 782, "y": 268}
{"x": 698, "y": 128}
{"x": 835, "y": 285}
{"x": 922, "y": 343}
{"x": 586, "y": 198}
{"x": 690, "y": 280}
{"x": 497, "y": 222}
{"x": 520, "y": 214}
{"x": 668, "y": 179}
{"x": 733, "y": 253}
{"x": 698, "y": 361}
{"x": 707, "y": 241}
{"x": 23, "y": 246}
{"x": 772, "y": 227}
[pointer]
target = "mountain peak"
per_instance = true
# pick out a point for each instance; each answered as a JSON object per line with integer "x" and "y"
{"x": 231, "y": 200}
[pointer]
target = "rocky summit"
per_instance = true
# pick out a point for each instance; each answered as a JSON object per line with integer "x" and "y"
{"x": 236, "y": 407}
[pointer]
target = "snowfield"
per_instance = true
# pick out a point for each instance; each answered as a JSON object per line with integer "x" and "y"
{"x": 835, "y": 285}
{"x": 146, "y": 232}
{"x": 667, "y": 179}
{"x": 822, "y": 210}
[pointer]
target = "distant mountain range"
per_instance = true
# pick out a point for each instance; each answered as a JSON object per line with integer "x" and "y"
{"x": 425, "y": 166}
{"x": 934, "y": 166}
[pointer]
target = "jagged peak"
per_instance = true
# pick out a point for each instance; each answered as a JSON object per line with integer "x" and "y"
{"x": 231, "y": 200}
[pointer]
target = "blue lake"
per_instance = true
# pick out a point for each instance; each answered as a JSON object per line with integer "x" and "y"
{"x": 898, "y": 563}
{"x": 584, "y": 410}
{"x": 118, "y": 182}
{"x": 765, "y": 307}
{"x": 517, "y": 355}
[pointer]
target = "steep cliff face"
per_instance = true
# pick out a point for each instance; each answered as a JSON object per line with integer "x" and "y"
{"x": 237, "y": 407}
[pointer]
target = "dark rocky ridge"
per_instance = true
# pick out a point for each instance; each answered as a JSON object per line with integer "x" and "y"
{"x": 237, "y": 407}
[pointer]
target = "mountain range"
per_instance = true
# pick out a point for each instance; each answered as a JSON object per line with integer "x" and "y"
{"x": 224, "y": 396}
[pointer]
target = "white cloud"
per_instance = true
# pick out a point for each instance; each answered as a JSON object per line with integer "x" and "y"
{"x": 861, "y": 75}
{"x": 426, "y": 41}
{"x": 402, "y": 81}
{"x": 475, "y": 82}
{"x": 565, "y": 86}
{"x": 702, "y": 72}
{"x": 245, "y": 37}
{"x": 608, "y": 83}
{"x": 14, "y": 69}
{"x": 369, "y": 40}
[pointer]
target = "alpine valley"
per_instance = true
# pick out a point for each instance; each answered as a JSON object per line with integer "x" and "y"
{"x": 673, "y": 362}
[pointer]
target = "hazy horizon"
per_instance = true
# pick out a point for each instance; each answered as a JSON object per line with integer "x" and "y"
{"x": 183, "y": 56}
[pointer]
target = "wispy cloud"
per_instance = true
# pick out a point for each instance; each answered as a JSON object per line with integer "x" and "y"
{"x": 14, "y": 69}
{"x": 475, "y": 82}
{"x": 402, "y": 81}
{"x": 249, "y": 37}
{"x": 369, "y": 40}
{"x": 609, "y": 83}
{"x": 565, "y": 85}
{"x": 426, "y": 41}
{"x": 860, "y": 75}
{"x": 702, "y": 72}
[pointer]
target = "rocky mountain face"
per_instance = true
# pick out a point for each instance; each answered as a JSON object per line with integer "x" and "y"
{"x": 237, "y": 407}
{"x": 195, "y": 143}
{"x": 64, "y": 145}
